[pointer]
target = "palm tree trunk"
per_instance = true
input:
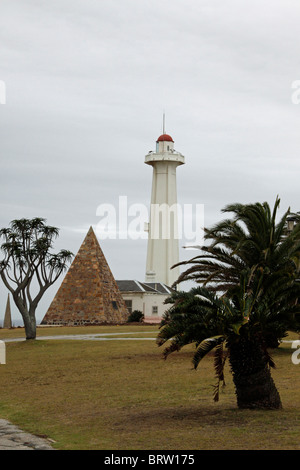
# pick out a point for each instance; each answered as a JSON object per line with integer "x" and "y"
{"x": 254, "y": 385}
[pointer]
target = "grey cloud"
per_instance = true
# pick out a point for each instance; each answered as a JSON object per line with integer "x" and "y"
{"x": 87, "y": 83}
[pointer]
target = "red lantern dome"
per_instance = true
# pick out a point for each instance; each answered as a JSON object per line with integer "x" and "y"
{"x": 165, "y": 138}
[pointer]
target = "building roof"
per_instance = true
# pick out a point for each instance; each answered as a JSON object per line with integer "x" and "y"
{"x": 129, "y": 286}
{"x": 160, "y": 287}
{"x": 165, "y": 138}
{"x": 145, "y": 287}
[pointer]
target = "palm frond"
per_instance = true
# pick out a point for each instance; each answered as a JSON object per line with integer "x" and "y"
{"x": 219, "y": 364}
{"x": 205, "y": 347}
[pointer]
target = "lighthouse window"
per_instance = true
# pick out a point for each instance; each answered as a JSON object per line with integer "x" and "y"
{"x": 168, "y": 147}
{"x": 115, "y": 305}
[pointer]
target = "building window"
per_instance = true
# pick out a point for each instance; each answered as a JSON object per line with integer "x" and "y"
{"x": 128, "y": 304}
{"x": 115, "y": 305}
{"x": 154, "y": 310}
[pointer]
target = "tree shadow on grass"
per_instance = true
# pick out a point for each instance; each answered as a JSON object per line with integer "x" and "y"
{"x": 214, "y": 415}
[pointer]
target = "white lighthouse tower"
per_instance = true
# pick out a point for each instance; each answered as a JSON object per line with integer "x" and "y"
{"x": 163, "y": 234}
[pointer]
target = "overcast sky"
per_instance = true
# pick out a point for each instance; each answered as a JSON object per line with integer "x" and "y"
{"x": 87, "y": 82}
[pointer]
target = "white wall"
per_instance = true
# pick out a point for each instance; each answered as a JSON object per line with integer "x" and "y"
{"x": 145, "y": 301}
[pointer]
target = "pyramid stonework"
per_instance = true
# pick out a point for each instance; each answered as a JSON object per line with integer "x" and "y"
{"x": 89, "y": 294}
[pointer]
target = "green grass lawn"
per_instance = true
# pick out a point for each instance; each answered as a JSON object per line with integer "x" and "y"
{"x": 123, "y": 395}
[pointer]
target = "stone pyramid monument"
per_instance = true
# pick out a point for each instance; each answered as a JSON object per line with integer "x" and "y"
{"x": 89, "y": 294}
{"x": 7, "y": 323}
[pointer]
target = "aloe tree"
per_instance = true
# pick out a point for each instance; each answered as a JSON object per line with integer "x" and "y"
{"x": 248, "y": 299}
{"x": 29, "y": 267}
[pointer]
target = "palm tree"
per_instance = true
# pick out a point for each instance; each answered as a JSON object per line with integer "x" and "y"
{"x": 238, "y": 328}
{"x": 251, "y": 240}
{"x": 247, "y": 302}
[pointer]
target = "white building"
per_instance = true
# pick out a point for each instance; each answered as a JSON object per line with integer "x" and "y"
{"x": 163, "y": 240}
{"x": 148, "y": 298}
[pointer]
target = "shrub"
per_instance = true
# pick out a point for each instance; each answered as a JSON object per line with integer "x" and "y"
{"x": 135, "y": 316}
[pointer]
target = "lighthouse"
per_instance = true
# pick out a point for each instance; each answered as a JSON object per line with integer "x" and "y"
{"x": 163, "y": 233}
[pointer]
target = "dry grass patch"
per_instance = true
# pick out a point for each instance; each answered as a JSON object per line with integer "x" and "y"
{"x": 123, "y": 395}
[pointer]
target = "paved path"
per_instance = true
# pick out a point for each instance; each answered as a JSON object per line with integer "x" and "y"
{"x": 100, "y": 337}
{"x": 91, "y": 337}
{"x": 13, "y": 438}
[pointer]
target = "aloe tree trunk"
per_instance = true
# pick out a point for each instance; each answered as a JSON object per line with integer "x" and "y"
{"x": 30, "y": 326}
{"x": 254, "y": 385}
{"x": 28, "y": 316}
